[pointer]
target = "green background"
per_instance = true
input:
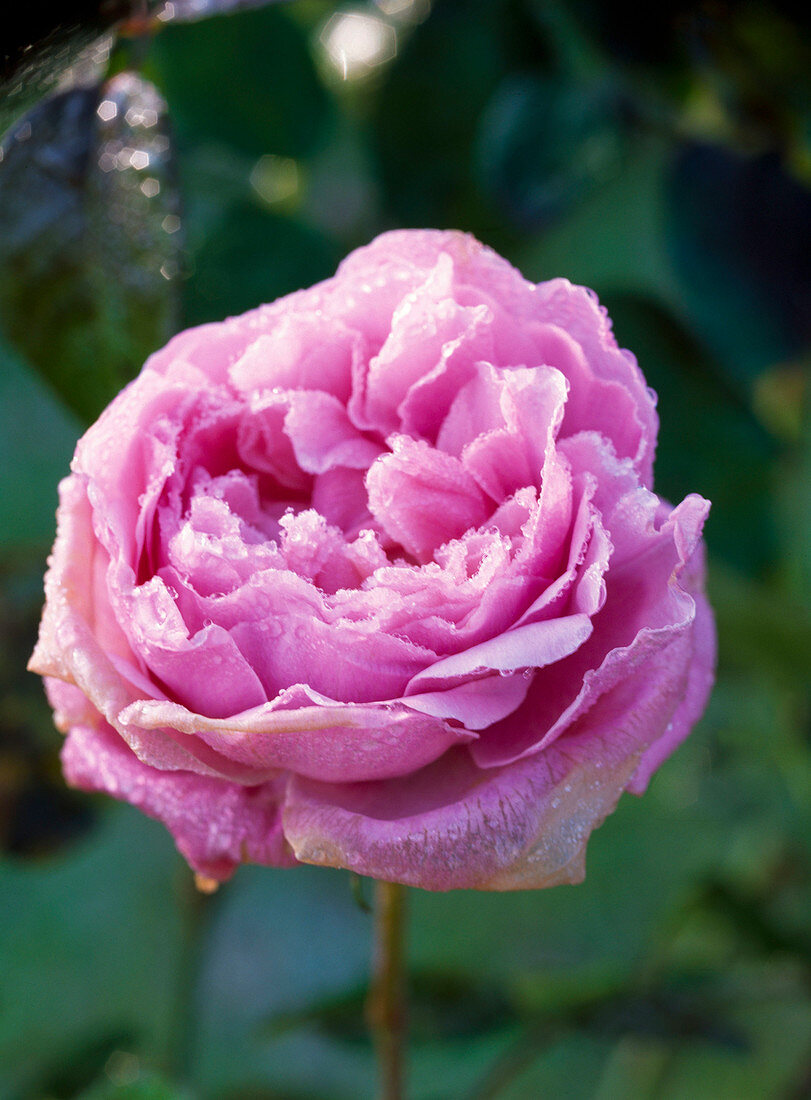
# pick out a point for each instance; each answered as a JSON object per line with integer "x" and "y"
{"x": 662, "y": 158}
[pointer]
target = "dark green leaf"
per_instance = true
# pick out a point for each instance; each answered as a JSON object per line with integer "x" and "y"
{"x": 614, "y": 239}
{"x": 37, "y": 437}
{"x": 251, "y": 258}
{"x": 544, "y": 143}
{"x": 709, "y": 441}
{"x": 245, "y": 80}
{"x": 426, "y": 119}
{"x": 739, "y": 234}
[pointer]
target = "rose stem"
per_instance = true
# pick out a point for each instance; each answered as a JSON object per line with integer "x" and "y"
{"x": 386, "y": 1001}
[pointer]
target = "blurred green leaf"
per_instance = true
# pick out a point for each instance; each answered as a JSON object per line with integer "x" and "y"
{"x": 245, "y": 80}
{"x": 739, "y": 234}
{"x": 252, "y": 257}
{"x": 125, "y": 1080}
{"x": 92, "y": 947}
{"x": 761, "y": 630}
{"x": 709, "y": 440}
{"x": 426, "y": 118}
{"x": 37, "y": 438}
{"x": 280, "y": 998}
{"x": 281, "y": 943}
{"x": 614, "y": 239}
{"x": 794, "y": 509}
{"x": 85, "y": 246}
{"x": 778, "y": 1029}
{"x": 545, "y": 142}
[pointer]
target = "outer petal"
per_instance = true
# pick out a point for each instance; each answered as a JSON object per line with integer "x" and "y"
{"x": 95, "y": 665}
{"x": 455, "y": 826}
{"x": 533, "y": 646}
{"x": 216, "y": 824}
{"x": 699, "y": 683}
{"x": 314, "y": 736}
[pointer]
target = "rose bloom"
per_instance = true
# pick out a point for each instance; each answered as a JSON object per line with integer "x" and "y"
{"x": 374, "y": 577}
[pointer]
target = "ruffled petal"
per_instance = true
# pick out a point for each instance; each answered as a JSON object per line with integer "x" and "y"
{"x": 303, "y": 350}
{"x": 647, "y": 611}
{"x": 576, "y": 311}
{"x": 423, "y": 498}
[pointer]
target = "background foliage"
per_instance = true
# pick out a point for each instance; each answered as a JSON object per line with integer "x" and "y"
{"x": 661, "y": 155}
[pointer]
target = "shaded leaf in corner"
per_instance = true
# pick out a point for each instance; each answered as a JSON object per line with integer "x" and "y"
{"x": 44, "y": 46}
{"x": 44, "y": 43}
{"x": 88, "y": 238}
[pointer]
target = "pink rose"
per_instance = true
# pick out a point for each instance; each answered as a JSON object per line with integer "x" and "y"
{"x": 374, "y": 577}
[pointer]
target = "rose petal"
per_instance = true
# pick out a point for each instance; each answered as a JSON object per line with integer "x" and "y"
{"x": 313, "y": 735}
{"x": 647, "y": 611}
{"x": 699, "y": 683}
{"x": 576, "y": 311}
{"x": 216, "y": 824}
{"x": 304, "y": 350}
{"x": 323, "y": 435}
{"x": 532, "y": 646}
{"x": 453, "y": 826}
{"x": 427, "y": 327}
{"x": 422, "y": 497}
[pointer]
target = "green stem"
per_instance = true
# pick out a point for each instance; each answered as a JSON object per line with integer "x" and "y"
{"x": 386, "y": 1002}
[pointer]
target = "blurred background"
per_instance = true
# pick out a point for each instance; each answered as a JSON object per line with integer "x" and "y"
{"x": 167, "y": 165}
